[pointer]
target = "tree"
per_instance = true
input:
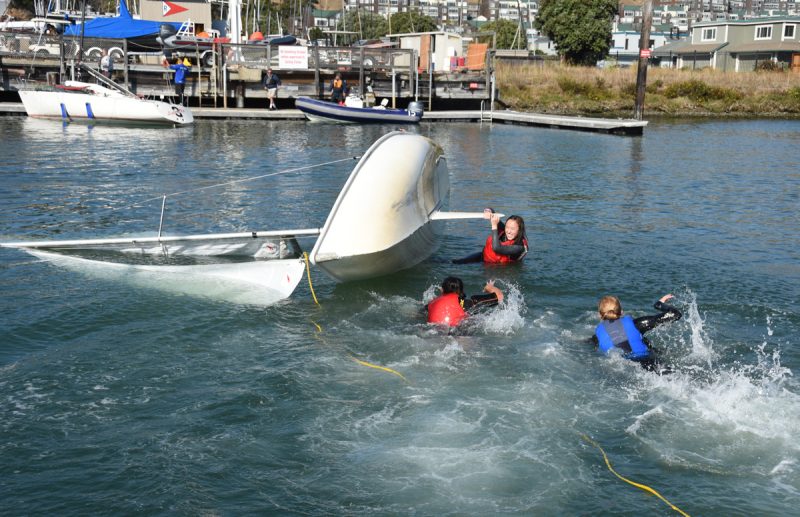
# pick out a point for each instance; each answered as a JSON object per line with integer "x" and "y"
{"x": 367, "y": 24}
{"x": 506, "y": 35}
{"x": 411, "y": 21}
{"x": 580, "y": 29}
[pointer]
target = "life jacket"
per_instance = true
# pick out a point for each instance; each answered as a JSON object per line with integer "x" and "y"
{"x": 622, "y": 333}
{"x": 447, "y": 308}
{"x": 491, "y": 257}
{"x": 337, "y": 84}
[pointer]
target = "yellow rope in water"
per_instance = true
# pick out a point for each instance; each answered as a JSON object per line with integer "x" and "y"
{"x": 319, "y": 330}
{"x": 637, "y": 485}
{"x": 385, "y": 369}
{"x": 313, "y": 294}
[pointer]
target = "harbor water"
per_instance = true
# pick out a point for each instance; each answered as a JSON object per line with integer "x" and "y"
{"x": 119, "y": 398}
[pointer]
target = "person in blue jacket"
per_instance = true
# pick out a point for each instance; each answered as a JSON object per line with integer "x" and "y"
{"x": 618, "y": 330}
{"x": 180, "y": 76}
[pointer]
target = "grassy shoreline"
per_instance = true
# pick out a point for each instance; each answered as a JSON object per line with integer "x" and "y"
{"x": 610, "y": 93}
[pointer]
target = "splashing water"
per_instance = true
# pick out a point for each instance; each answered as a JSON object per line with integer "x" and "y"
{"x": 700, "y": 343}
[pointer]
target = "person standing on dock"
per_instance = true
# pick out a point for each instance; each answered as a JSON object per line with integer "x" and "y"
{"x": 106, "y": 64}
{"x": 338, "y": 86}
{"x": 271, "y": 82}
{"x": 180, "y": 76}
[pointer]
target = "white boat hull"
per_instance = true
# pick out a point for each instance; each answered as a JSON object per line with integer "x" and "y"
{"x": 95, "y": 103}
{"x": 382, "y": 221}
{"x": 262, "y": 282}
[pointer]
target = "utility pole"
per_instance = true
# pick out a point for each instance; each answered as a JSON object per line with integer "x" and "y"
{"x": 644, "y": 56}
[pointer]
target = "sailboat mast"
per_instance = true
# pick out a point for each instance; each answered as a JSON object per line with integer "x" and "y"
{"x": 83, "y": 30}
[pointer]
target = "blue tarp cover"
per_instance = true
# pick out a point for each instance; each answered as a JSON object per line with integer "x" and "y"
{"x": 123, "y": 26}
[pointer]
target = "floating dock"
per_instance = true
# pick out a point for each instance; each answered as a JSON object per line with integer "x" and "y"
{"x": 600, "y": 125}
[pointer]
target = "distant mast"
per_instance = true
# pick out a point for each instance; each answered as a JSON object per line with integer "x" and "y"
{"x": 644, "y": 57}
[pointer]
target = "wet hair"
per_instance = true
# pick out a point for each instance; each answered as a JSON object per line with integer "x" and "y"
{"x": 453, "y": 284}
{"x": 609, "y": 308}
{"x": 521, "y": 234}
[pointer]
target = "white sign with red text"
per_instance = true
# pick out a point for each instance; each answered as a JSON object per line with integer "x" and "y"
{"x": 291, "y": 56}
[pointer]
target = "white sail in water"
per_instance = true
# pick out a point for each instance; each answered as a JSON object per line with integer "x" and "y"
{"x": 256, "y": 282}
{"x": 253, "y": 268}
{"x": 258, "y": 244}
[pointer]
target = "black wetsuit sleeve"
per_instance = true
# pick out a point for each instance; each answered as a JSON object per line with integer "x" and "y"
{"x": 668, "y": 314}
{"x": 475, "y": 257}
{"x": 515, "y": 251}
{"x": 480, "y": 300}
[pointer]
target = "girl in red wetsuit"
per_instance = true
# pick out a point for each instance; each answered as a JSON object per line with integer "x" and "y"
{"x": 506, "y": 244}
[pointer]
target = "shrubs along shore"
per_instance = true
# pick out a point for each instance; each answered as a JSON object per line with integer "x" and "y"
{"x": 611, "y": 92}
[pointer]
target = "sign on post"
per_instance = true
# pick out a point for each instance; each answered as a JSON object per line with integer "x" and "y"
{"x": 645, "y": 52}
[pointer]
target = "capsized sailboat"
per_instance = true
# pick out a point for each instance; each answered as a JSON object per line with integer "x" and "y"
{"x": 396, "y": 195}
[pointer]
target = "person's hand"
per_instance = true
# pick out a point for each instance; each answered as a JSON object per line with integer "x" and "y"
{"x": 489, "y": 287}
{"x": 487, "y": 213}
{"x": 665, "y": 298}
{"x": 495, "y": 221}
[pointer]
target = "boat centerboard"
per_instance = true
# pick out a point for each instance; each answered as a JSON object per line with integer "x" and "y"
{"x": 384, "y": 210}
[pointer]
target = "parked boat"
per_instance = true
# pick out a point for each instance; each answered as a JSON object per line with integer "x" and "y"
{"x": 396, "y": 195}
{"x": 257, "y": 38}
{"x": 77, "y": 100}
{"x": 185, "y": 37}
{"x": 323, "y": 111}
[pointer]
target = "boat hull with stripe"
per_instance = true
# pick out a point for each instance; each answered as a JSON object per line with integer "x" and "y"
{"x": 91, "y": 102}
{"x": 323, "y": 111}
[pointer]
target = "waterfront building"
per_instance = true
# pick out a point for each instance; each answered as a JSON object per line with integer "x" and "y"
{"x": 738, "y": 45}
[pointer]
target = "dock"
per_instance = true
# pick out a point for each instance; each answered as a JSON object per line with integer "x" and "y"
{"x": 600, "y": 125}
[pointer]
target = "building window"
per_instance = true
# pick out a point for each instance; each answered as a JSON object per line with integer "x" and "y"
{"x": 788, "y": 31}
{"x": 709, "y": 34}
{"x": 764, "y": 32}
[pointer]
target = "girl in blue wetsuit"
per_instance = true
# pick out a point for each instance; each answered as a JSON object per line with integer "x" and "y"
{"x": 621, "y": 331}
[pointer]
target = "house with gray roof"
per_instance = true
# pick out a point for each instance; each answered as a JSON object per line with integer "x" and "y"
{"x": 737, "y": 45}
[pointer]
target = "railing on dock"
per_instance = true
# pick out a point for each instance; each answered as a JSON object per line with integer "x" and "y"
{"x": 231, "y": 74}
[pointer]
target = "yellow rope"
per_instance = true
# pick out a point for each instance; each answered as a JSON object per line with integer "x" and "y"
{"x": 637, "y": 485}
{"x": 385, "y": 369}
{"x": 313, "y": 294}
{"x": 359, "y": 361}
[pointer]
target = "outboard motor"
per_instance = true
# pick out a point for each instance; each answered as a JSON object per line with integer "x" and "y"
{"x": 415, "y": 109}
{"x": 166, "y": 30}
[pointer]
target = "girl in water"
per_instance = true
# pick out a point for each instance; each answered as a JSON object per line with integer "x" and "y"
{"x": 621, "y": 331}
{"x": 506, "y": 244}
